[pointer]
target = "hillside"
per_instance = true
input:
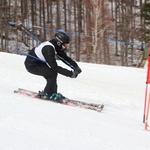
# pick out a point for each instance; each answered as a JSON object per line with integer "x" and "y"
{"x": 27, "y": 123}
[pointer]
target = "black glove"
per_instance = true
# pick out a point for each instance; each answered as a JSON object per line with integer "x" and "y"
{"x": 77, "y": 70}
{"x": 74, "y": 74}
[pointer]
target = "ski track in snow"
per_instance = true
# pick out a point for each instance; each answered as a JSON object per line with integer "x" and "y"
{"x": 27, "y": 123}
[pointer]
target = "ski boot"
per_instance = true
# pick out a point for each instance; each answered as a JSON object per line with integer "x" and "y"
{"x": 43, "y": 95}
{"x": 58, "y": 97}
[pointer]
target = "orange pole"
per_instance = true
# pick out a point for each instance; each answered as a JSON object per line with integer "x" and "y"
{"x": 146, "y": 110}
{"x": 147, "y": 82}
{"x": 147, "y": 114}
{"x": 146, "y": 93}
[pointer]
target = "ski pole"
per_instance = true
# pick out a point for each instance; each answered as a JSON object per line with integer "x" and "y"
{"x": 65, "y": 61}
{"x": 25, "y": 53}
{"x": 23, "y": 28}
{"x": 35, "y": 38}
{"x": 41, "y": 42}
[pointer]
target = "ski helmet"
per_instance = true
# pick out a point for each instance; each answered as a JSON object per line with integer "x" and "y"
{"x": 62, "y": 37}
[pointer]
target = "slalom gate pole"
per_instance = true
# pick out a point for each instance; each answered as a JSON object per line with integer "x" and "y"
{"x": 146, "y": 93}
{"x": 147, "y": 114}
{"x": 147, "y": 87}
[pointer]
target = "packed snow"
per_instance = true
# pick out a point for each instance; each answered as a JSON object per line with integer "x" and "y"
{"x": 30, "y": 124}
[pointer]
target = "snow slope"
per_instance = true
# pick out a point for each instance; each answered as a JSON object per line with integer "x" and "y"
{"x": 30, "y": 124}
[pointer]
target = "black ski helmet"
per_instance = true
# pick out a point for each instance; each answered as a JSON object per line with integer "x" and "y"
{"x": 62, "y": 37}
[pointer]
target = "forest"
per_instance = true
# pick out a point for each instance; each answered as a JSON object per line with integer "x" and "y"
{"x": 112, "y": 32}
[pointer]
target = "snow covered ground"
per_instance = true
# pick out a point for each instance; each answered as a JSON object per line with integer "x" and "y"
{"x": 30, "y": 124}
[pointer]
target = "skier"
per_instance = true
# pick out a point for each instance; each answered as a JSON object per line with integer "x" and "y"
{"x": 47, "y": 51}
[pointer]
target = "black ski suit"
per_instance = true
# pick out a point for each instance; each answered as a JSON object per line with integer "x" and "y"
{"x": 49, "y": 70}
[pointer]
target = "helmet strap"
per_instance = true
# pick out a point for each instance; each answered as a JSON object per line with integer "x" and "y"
{"x": 58, "y": 43}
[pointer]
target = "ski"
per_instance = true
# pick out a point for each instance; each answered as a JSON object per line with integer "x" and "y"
{"x": 66, "y": 101}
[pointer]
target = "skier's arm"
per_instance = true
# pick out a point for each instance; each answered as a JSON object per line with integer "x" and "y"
{"x": 49, "y": 54}
{"x": 67, "y": 60}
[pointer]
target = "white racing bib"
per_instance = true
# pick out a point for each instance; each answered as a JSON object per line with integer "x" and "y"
{"x": 38, "y": 49}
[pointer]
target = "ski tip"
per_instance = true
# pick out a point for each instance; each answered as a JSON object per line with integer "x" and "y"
{"x": 15, "y": 91}
{"x": 101, "y": 108}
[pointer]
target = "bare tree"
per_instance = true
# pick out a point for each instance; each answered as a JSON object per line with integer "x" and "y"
{"x": 97, "y": 26}
{"x": 91, "y": 25}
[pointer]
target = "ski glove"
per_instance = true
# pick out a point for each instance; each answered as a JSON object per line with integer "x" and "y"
{"x": 74, "y": 74}
{"x": 78, "y": 70}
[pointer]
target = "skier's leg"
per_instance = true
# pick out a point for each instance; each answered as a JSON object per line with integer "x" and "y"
{"x": 49, "y": 75}
{"x": 51, "y": 85}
